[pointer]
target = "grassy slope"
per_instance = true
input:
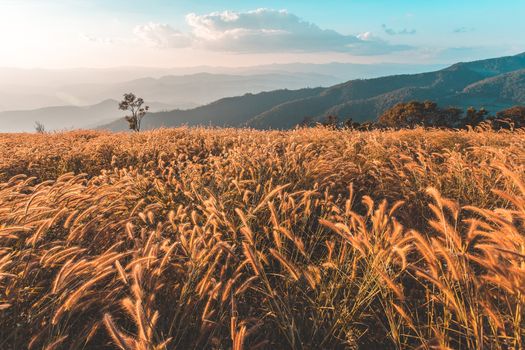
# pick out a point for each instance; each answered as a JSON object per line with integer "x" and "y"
{"x": 233, "y": 238}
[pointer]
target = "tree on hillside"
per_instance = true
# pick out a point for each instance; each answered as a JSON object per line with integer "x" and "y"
{"x": 415, "y": 113}
{"x": 350, "y": 124}
{"x": 474, "y": 117}
{"x": 39, "y": 128}
{"x": 134, "y": 105}
{"x": 306, "y": 122}
{"x": 514, "y": 117}
{"x": 331, "y": 121}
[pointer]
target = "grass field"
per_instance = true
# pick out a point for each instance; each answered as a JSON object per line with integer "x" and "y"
{"x": 241, "y": 239}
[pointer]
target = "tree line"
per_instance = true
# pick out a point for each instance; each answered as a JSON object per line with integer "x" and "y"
{"x": 428, "y": 114}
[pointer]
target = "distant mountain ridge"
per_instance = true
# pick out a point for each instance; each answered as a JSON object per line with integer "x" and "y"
{"x": 244, "y": 107}
{"x": 165, "y": 93}
{"x": 190, "y": 91}
{"x": 175, "y": 91}
{"x": 492, "y": 83}
{"x": 60, "y": 117}
{"x": 182, "y": 87}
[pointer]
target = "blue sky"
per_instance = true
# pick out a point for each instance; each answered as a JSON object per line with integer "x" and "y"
{"x": 71, "y": 33}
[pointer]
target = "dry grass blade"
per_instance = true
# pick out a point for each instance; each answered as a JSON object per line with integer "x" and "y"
{"x": 197, "y": 238}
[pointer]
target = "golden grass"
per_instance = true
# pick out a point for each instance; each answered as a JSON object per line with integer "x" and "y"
{"x": 242, "y": 239}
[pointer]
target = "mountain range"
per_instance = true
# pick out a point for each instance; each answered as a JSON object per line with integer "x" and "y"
{"x": 175, "y": 91}
{"x": 492, "y": 83}
{"x": 187, "y": 91}
{"x": 71, "y": 98}
{"x": 60, "y": 117}
{"x": 162, "y": 94}
{"x": 182, "y": 87}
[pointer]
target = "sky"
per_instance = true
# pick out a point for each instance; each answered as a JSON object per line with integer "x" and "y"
{"x": 183, "y": 33}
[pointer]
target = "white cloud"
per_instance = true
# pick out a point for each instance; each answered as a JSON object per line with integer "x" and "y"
{"x": 162, "y": 35}
{"x": 261, "y": 31}
{"x": 403, "y": 31}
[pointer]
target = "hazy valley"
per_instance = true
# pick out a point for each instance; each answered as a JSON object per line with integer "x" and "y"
{"x": 66, "y": 99}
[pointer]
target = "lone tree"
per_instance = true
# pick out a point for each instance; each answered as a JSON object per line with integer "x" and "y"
{"x": 39, "y": 128}
{"x": 134, "y": 105}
